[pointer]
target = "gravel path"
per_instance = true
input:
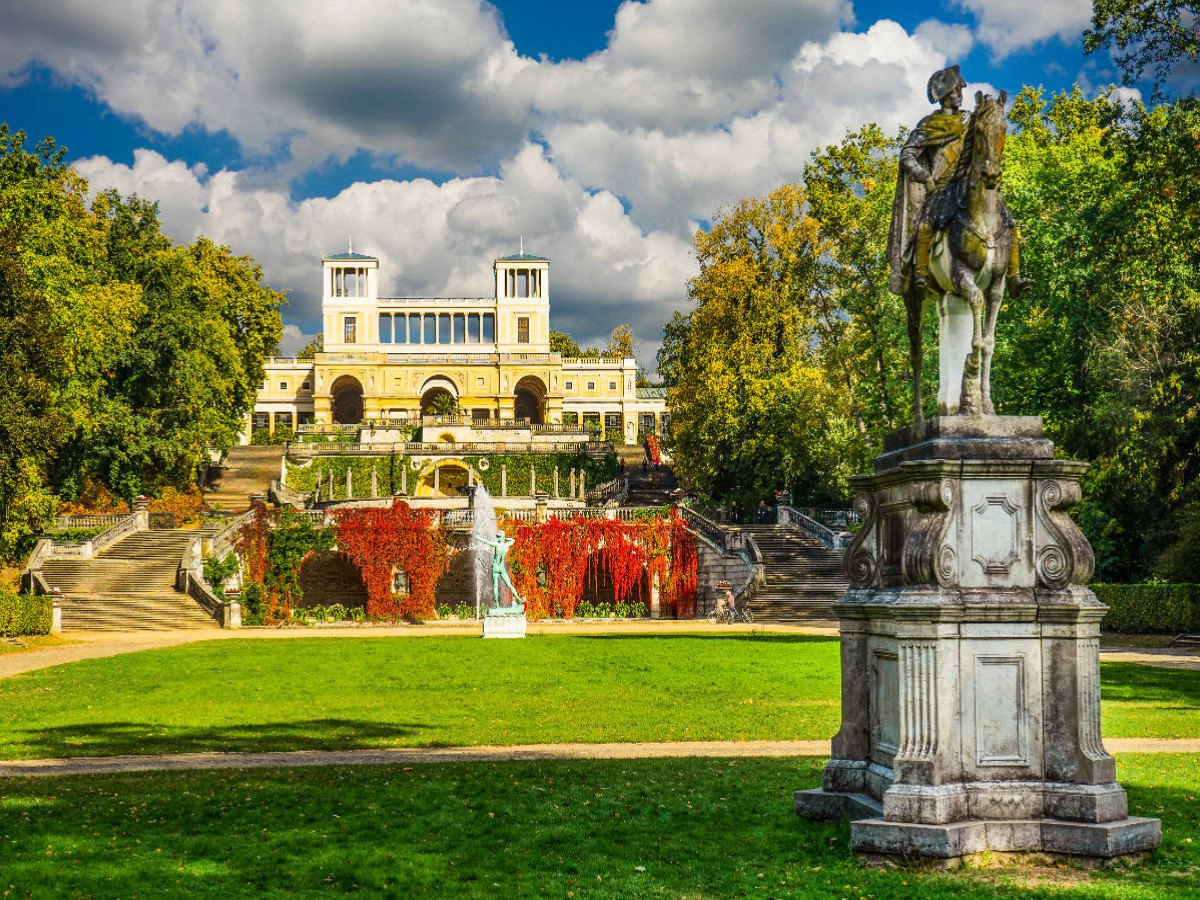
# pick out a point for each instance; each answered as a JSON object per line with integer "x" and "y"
{"x": 100, "y": 765}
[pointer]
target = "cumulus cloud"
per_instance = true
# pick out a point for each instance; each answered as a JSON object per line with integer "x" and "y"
{"x": 432, "y": 240}
{"x": 673, "y": 178}
{"x": 1015, "y": 24}
{"x": 692, "y": 104}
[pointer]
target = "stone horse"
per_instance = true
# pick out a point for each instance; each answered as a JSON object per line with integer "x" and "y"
{"x": 973, "y": 235}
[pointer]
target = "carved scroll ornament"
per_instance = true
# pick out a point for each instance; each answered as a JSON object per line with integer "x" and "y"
{"x": 1068, "y": 559}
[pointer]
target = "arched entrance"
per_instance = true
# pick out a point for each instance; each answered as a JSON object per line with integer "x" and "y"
{"x": 438, "y": 395}
{"x": 443, "y": 479}
{"x": 327, "y": 577}
{"x": 530, "y": 399}
{"x": 347, "y": 395}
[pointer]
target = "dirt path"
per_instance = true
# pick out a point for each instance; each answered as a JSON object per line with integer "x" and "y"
{"x": 100, "y": 765}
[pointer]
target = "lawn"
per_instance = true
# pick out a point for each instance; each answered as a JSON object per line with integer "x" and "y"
{"x": 327, "y": 693}
{"x": 687, "y": 828}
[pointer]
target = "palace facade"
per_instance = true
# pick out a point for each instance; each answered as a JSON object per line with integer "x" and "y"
{"x": 388, "y": 360}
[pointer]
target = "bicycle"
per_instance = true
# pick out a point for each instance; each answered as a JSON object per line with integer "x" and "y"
{"x": 726, "y": 615}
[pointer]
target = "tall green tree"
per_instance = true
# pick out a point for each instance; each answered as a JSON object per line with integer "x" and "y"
{"x": 1159, "y": 35}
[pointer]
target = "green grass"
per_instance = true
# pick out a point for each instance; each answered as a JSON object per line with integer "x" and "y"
{"x": 688, "y": 828}
{"x": 327, "y": 693}
{"x": 397, "y": 692}
{"x": 1148, "y": 701}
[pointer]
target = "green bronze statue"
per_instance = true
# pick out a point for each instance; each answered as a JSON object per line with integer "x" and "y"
{"x": 500, "y": 547}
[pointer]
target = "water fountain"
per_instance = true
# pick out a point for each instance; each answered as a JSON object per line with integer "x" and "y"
{"x": 500, "y": 619}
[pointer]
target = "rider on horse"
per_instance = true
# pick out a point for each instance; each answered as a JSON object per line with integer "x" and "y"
{"x": 927, "y": 162}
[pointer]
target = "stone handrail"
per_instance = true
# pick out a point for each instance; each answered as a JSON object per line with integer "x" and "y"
{"x": 831, "y": 517}
{"x": 834, "y": 540}
{"x": 282, "y": 495}
{"x": 88, "y": 521}
{"x": 415, "y": 448}
{"x": 222, "y": 542}
{"x": 724, "y": 540}
{"x": 729, "y": 543}
{"x": 609, "y": 490}
{"x": 228, "y": 615}
{"x": 138, "y": 520}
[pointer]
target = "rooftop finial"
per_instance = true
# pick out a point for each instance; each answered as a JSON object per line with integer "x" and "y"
{"x": 522, "y": 246}
{"x": 350, "y": 242}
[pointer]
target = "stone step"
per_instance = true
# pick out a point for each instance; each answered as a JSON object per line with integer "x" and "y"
{"x": 152, "y": 612}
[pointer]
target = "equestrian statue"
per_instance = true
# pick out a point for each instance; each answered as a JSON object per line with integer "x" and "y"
{"x": 953, "y": 241}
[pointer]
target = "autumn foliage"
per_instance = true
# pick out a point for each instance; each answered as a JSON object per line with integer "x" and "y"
{"x": 552, "y": 562}
{"x": 381, "y": 541}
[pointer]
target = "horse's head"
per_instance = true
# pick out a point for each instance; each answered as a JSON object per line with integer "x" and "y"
{"x": 988, "y": 129}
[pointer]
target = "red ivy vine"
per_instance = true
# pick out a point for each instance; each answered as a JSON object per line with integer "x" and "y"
{"x": 381, "y": 541}
{"x": 560, "y": 550}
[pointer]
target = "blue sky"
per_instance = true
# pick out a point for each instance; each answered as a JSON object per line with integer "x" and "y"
{"x": 439, "y": 132}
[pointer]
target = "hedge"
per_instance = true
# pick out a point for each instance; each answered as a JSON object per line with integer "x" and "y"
{"x": 21, "y": 614}
{"x": 1150, "y": 608}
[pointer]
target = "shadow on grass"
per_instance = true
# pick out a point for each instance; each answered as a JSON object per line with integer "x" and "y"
{"x": 141, "y": 738}
{"x": 600, "y": 828}
{"x": 1167, "y": 688}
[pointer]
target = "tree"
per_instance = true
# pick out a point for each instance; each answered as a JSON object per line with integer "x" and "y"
{"x": 1156, "y": 34}
{"x": 156, "y": 349}
{"x": 30, "y": 425}
{"x": 753, "y": 408}
{"x": 562, "y": 343}
{"x": 313, "y": 347}
{"x": 621, "y": 343}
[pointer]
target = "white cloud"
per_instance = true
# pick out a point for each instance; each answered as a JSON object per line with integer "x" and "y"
{"x": 1013, "y": 25}
{"x": 693, "y": 104}
{"x": 829, "y": 87}
{"x": 294, "y": 340}
{"x": 432, "y": 240}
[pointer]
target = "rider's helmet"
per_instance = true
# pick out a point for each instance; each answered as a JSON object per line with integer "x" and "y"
{"x": 943, "y": 82}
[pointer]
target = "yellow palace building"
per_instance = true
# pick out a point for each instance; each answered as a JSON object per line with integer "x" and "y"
{"x": 388, "y": 360}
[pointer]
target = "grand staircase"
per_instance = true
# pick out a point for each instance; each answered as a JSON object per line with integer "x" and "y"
{"x": 803, "y": 578}
{"x": 128, "y": 587}
{"x": 245, "y": 471}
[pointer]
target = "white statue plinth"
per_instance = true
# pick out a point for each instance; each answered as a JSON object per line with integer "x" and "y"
{"x": 504, "y": 626}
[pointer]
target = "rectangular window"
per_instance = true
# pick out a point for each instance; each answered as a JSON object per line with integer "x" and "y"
{"x": 443, "y": 328}
{"x": 570, "y": 385}
{"x": 283, "y": 420}
{"x": 647, "y": 423}
{"x": 350, "y": 330}
{"x": 591, "y": 385}
{"x": 570, "y": 418}
{"x": 522, "y": 329}
{"x": 414, "y": 328}
{"x": 260, "y": 420}
{"x": 612, "y": 385}
{"x": 612, "y": 422}
{"x": 481, "y": 415}
{"x": 306, "y": 386}
{"x": 385, "y": 328}
{"x": 479, "y": 381}
{"x": 304, "y": 418}
{"x": 591, "y": 418}
{"x": 430, "y": 333}
{"x": 489, "y": 328}
{"x": 473, "y": 328}
{"x": 460, "y": 328}
{"x": 283, "y": 385}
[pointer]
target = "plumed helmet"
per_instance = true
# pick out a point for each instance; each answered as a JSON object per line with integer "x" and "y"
{"x": 943, "y": 82}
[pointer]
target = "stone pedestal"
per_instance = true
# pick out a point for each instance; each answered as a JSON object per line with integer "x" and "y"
{"x": 503, "y": 626}
{"x": 970, "y": 656}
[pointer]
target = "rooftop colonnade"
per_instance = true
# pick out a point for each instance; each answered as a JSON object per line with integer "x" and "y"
{"x": 389, "y": 359}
